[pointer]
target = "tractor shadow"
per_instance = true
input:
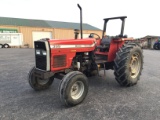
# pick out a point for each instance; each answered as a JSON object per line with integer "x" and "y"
{"x": 49, "y": 99}
{"x": 107, "y": 84}
{"x": 107, "y": 80}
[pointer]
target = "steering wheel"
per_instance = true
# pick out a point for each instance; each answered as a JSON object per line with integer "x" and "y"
{"x": 94, "y": 35}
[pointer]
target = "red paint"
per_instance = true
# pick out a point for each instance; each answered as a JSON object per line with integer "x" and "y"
{"x": 114, "y": 47}
{"x": 87, "y": 41}
{"x": 69, "y": 52}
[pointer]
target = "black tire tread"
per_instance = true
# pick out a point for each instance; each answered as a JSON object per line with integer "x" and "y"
{"x": 121, "y": 63}
{"x": 63, "y": 86}
{"x": 35, "y": 85}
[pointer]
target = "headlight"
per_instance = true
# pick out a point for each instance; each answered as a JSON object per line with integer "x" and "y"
{"x": 44, "y": 53}
{"x": 38, "y": 52}
{"x": 41, "y": 52}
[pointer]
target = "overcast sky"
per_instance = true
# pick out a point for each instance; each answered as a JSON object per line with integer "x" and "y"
{"x": 143, "y": 16}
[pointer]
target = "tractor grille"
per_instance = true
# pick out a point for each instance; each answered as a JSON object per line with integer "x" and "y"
{"x": 41, "y": 62}
{"x": 40, "y": 59}
{"x": 59, "y": 61}
{"x": 39, "y": 45}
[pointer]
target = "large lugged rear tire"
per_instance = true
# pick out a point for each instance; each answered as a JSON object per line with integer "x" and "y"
{"x": 37, "y": 83}
{"x": 128, "y": 64}
{"x": 73, "y": 88}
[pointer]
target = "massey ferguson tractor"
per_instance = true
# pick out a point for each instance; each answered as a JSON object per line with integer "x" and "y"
{"x": 74, "y": 60}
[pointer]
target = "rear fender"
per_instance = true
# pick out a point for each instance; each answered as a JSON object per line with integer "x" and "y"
{"x": 114, "y": 47}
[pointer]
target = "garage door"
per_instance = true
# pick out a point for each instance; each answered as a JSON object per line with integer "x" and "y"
{"x": 39, "y": 35}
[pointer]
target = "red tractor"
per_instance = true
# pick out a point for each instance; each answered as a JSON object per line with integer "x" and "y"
{"x": 74, "y": 60}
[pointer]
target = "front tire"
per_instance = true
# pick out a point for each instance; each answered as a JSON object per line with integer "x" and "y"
{"x": 37, "y": 83}
{"x": 73, "y": 88}
{"x": 6, "y": 46}
{"x": 128, "y": 64}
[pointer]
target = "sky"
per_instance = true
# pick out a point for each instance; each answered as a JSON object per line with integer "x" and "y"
{"x": 143, "y": 17}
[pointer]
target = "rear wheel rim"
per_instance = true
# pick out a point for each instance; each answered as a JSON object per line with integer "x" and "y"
{"x": 77, "y": 90}
{"x": 135, "y": 65}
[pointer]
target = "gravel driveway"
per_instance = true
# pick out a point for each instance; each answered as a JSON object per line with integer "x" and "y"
{"x": 106, "y": 100}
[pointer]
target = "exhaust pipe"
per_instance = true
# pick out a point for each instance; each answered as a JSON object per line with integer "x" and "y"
{"x": 80, "y": 20}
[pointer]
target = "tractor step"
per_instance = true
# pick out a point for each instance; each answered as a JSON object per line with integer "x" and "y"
{"x": 100, "y": 57}
{"x": 103, "y": 62}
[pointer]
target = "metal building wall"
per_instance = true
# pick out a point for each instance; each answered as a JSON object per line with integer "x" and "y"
{"x": 56, "y": 33}
{"x": 63, "y": 33}
{"x": 8, "y": 26}
{"x": 27, "y": 34}
{"x": 93, "y": 31}
{"x": 69, "y": 33}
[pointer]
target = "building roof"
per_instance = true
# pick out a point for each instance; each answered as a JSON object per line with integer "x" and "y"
{"x": 44, "y": 23}
{"x": 148, "y": 36}
{"x": 151, "y": 36}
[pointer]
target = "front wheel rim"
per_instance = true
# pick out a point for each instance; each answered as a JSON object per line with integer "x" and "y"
{"x": 77, "y": 90}
{"x": 42, "y": 81}
{"x": 135, "y": 65}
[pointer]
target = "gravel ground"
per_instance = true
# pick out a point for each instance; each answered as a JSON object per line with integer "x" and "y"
{"x": 106, "y": 100}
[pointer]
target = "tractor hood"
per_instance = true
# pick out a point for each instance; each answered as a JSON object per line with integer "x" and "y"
{"x": 72, "y": 43}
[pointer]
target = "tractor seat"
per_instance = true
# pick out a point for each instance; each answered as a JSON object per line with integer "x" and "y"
{"x": 105, "y": 44}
